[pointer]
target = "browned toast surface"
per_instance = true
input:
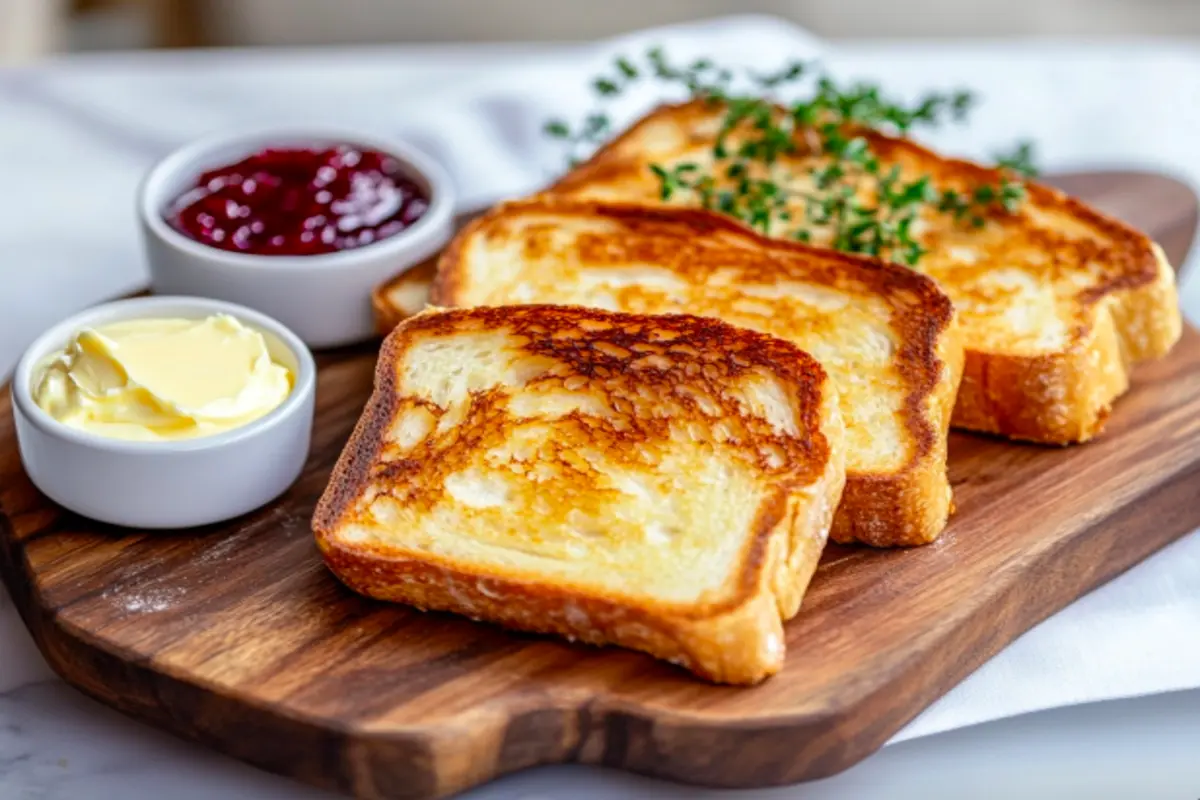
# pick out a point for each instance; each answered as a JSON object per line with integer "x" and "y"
{"x": 660, "y": 483}
{"x": 884, "y": 333}
{"x": 1055, "y": 300}
{"x": 402, "y": 296}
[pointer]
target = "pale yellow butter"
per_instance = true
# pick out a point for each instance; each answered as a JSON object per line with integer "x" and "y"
{"x": 170, "y": 378}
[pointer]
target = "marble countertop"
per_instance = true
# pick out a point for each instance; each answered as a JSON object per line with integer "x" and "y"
{"x": 55, "y": 119}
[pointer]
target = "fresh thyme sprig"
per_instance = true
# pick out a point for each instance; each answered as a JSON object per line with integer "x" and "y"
{"x": 972, "y": 206}
{"x": 846, "y": 198}
{"x": 1020, "y": 159}
{"x": 594, "y": 129}
{"x": 701, "y": 78}
{"x": 754, "y": 192}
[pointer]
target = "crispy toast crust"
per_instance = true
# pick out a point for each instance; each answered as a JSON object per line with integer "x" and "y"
{"x": 410, "y": 284}
{"x": 1066, "y": 397}
{"x": 1126, "y": 312}
{"x": 908, "y": 506}
{"x": 734, "y": 638}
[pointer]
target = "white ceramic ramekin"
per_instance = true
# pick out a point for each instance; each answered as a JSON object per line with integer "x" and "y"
{"x": 325, "y": 299}
{"x": 166, "y": 484}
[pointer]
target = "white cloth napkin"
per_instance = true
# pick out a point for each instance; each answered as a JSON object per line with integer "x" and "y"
{"x": 1093, "y": 105}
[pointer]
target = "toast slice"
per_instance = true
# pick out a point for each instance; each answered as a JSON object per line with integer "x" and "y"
{"x": 403, "y": 295}
{"x": 884, "y": 333}
{"x": 660, "y": 483}
{"x": 1056, "y": 301}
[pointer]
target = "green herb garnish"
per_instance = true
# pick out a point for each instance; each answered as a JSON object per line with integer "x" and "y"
{"x": 846, "y": 198}
{"x": 595, "y": 129}
{"x": 1020, "y": 160}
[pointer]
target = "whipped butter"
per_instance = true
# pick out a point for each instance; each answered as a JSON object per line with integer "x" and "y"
{"x": 162, "y": 378}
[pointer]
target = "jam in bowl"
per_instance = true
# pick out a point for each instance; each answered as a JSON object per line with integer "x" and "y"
{"x": 300, "y": 201}
{"x": 300, "y": 224}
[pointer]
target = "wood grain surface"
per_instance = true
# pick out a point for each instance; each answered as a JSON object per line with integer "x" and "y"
{"x": 236, "y": 635}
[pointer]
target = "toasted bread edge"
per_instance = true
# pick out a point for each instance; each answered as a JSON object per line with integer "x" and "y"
{"x": 387, "y": 313}
{"x": 738, "y": 640}
{"x": 912, "y": 507}
{"x": 1063, "y": 397}
{"x": 902, "y": 508}
{"x": 1066, "y": 397}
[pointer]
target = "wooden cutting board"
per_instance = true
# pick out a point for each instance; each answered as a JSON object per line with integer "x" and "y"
{"x": 236, "y": 635}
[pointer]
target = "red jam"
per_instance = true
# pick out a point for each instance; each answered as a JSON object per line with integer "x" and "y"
{"x": 300, "y": 202}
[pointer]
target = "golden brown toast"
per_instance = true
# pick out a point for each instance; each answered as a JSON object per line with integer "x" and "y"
{"x": 660, "y": 483}
{"x": 402, "y": 296}
{"x": 884, "y": 333}
{"x": 1056, "y": 301}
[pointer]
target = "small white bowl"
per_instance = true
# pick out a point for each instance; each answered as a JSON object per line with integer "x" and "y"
{"x": 166, "y": 484}
{"x": 326, "y": 298}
